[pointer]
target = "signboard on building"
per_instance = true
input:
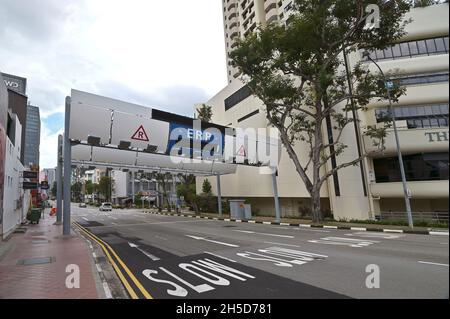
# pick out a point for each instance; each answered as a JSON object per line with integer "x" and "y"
{"x": 29, "y": 185}
{"x": 30, "y": 174}
{"x": 15, "y": 83}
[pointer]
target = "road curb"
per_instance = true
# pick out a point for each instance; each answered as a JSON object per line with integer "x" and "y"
{"x": 385, "y": 230}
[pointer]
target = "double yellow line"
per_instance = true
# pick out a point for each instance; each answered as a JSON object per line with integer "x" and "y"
{"x": 116, "y": 262}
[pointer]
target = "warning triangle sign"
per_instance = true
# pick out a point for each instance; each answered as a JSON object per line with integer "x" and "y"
{"x": 241, "y": 151}
{"x": 140, "y": 134}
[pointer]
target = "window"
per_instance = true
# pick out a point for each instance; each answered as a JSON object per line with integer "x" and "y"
{"x": 409, "y": 49}
{"x": 417, "y": 116}
{"x": 248, "y": 116}
{"x": 423, "y": 79}
{"x": 418, "y": 167}
{"x": 237, "y": 97}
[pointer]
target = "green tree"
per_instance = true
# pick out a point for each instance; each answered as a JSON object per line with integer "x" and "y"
{"x": 187, "y": 189}
{"x": 297, "y": 71}
{"x": 54, "y": 189}
{"x": 76, "y": 191}
{"x": 104, "y": 187}
{"x": 206, "y": 187}
{"x": 163, "y": 180}
{"x": 204, "y": 113}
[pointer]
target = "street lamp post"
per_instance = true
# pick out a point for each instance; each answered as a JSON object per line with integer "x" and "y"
{"x": 397, "y": 141}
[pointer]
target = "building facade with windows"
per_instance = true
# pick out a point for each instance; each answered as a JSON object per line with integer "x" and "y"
{"x": 240, "y": 17}
{"x": 32, "y": 136}
{"x": 421, "y": 62}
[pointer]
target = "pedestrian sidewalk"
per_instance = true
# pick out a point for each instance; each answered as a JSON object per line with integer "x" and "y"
{"x": 33, "y": 264}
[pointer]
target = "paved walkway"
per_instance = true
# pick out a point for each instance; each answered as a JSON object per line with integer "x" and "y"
{"x": 21, "y": 280}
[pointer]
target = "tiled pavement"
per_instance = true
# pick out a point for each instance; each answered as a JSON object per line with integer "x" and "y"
{"x": 18, "y": 281}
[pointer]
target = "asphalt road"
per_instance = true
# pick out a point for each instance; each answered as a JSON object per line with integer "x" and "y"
{"x": 177, "y": 257}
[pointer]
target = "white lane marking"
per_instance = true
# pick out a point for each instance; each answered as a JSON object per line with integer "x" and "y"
{"x": 438, "y": 233}
{"x": 152, "y": 257}
{"x": 331, "y": 227}
{"x": 358, "y": 228}
{"x": 305, "y": 225}
{"x": 108, "y": 294}
{"x": 267, "y": 223}
{"x": 430, "y": 263}
{"x": 343, "y": 241}
{"x": 281, "y": 244}
{"x": 99, "y": 269}
{"x": 265, "y": 234}
{"x": 252, "y": 221}
{"x": 85, "y": 219}
{"x": 392, "y": 230}
{"x": 207, "y": 252}
{"x": 212, "y": 241}
{"x": 227, "y": 219}
{"x": 375, "y": 235}
{"x": 94, "y": 255}
{"x": 285, "y": 224}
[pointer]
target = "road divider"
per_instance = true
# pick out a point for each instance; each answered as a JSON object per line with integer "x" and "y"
{"x": 372, "y": 229}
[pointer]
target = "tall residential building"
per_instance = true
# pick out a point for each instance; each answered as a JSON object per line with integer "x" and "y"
{"x": 422, "y": 60}
{"x": 32, "y": 136}
{"x": 240, "y": 17}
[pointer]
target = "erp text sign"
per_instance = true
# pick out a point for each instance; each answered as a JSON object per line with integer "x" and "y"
{"x": 187, "y": 140}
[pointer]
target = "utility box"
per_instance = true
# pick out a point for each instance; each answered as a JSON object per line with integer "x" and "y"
{"x": 237, "y": 208}
{"x": 248, "y": 211}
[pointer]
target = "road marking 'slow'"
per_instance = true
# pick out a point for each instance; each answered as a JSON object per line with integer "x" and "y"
{"x": 430, "y": 263}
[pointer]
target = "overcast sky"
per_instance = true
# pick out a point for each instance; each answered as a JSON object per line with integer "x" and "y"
{"x": 167, "y": 54}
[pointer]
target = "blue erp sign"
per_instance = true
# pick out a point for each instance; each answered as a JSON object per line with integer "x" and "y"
{"x": 188, "y": 141}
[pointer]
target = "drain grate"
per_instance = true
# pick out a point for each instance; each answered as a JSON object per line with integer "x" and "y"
{"x": 36, "y": 261}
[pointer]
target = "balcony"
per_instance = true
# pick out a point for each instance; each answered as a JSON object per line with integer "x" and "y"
{"x": 419, "y": 189}
{"x": 423, "y": 140}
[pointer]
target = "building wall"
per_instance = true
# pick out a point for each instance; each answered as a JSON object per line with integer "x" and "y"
{"x": 349, "y": 200}
{"x": 14, "y": 210}
{"x": 3, "y": 125}
{"x": 17, "y": 103}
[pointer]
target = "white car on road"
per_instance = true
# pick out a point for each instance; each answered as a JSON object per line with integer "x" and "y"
{"x": 105, "y": 207}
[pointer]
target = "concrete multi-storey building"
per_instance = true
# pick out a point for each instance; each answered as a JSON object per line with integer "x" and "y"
{"x": 32, "y": 136}
{"x": 240, "y": 17}
{"x": 422, "y": 62}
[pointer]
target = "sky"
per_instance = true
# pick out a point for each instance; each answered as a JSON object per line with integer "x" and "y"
{"x": 164, "y": 54}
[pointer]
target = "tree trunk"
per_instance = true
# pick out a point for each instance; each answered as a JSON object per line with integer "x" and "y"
{"x": 315, "y": 207}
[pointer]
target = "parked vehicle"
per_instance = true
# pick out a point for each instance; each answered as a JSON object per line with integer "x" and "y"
{"x": 105, "y": 207}
{"x": 82, "y": 205}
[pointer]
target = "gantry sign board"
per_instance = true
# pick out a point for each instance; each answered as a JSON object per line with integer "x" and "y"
{"x": 108, "y": 131}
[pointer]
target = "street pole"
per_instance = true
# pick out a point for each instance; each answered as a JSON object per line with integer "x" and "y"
{"x": 275, "y": 196}
{"x": 219, "y": 196}
{"x": 59, "y": 208}
{"x": 397, "y": 144}
{"x": 67, "y": 170}
{"x": 132, "y": 186}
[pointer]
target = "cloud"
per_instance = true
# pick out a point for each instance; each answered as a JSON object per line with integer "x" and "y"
{"x": 163, "y": 54}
